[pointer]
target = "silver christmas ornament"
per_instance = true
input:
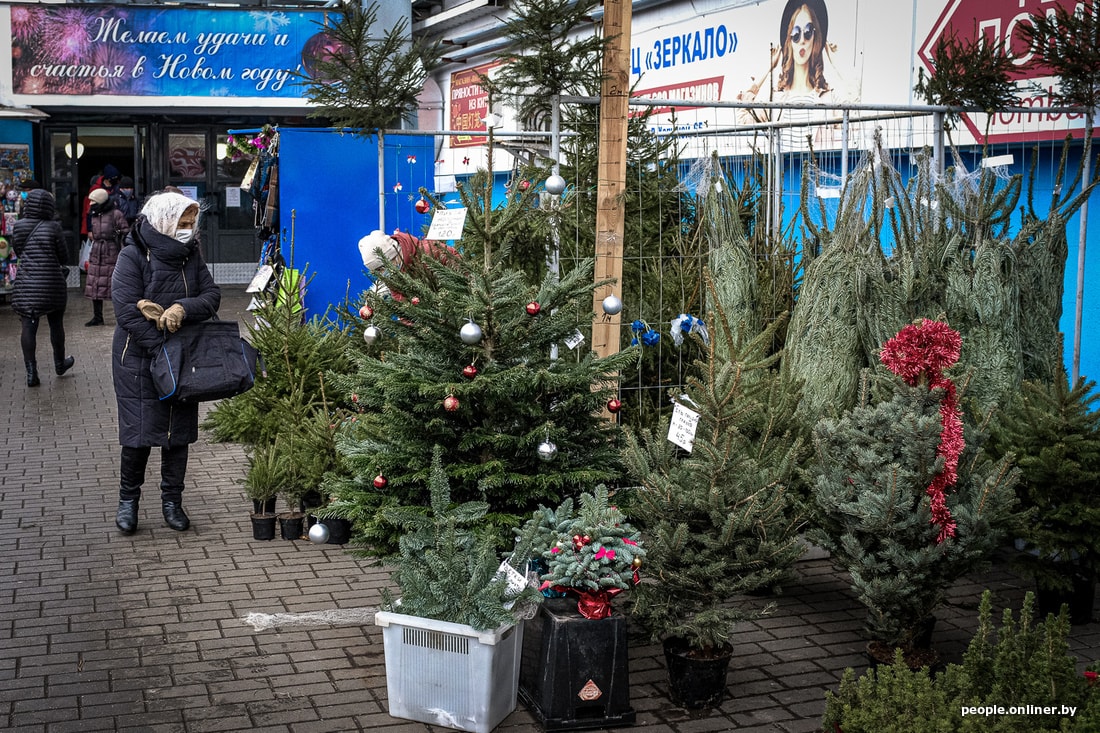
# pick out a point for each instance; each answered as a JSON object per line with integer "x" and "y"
{"x": 470, "y": 333}
{"x": 318, "y": 534}
{"x": 612, "y": 305}
{"x": 555, "y": 184}
{"x": 547, "y": 450}
{"x": 371, "y": 334}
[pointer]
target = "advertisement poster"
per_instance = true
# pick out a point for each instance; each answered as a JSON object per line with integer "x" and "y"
{"x": 149, "y": 51}
{"x": 469, "y": 105}
{"x": 823, "y": 53}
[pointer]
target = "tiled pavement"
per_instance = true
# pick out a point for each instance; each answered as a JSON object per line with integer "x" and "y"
{"x": 102, "y": 632}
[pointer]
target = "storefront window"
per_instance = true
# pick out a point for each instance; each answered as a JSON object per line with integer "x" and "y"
{"x": 187, "y": 156}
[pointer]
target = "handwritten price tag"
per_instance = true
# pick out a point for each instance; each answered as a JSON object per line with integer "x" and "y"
{"x": 681, "y": 429}
{"x": 447, "y": 224}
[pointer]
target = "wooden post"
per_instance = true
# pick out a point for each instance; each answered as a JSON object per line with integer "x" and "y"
{"x": 610, "y": 190}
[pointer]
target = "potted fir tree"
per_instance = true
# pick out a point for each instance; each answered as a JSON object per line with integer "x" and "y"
{"x": 719, "y": 521}
{"x": 904, "y": 502}
{"x": 261, "y": 485}
{"x": 575, "y": 671}
{"x": 1055, "y": 435}
{"x": 452, "y": 640}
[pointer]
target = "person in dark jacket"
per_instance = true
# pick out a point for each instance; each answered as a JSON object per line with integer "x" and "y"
{"x": 160, "y": 283}
{"x": 126, "y": 200}
{"x": 106, "y": 226}
{"x": 40, "y": 287}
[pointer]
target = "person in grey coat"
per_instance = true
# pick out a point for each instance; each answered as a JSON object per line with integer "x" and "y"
{"x": 160, "y": 283}
{"x": 40, "y": 287}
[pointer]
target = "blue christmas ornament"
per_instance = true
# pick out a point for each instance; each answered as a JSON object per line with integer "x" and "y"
{"x": 687, "y": 323}
{"x": 638, "y": 326}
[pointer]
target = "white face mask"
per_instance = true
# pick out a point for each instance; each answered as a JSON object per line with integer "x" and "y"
{"x": 184, "y": 235}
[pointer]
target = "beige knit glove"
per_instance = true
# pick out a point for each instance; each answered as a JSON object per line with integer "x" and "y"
{"x": 152, "y": 311}
{"x": 172, "y": 318}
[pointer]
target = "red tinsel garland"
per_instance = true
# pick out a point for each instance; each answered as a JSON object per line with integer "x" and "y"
{"x": 921, "y": 352}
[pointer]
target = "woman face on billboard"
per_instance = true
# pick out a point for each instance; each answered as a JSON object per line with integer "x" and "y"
{"x": 802, "y": 69}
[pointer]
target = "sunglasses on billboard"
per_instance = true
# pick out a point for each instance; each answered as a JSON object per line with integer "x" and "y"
{"x": 797, "y": 33}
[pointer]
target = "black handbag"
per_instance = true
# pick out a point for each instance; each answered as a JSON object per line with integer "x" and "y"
{"x": 204, "y": 361}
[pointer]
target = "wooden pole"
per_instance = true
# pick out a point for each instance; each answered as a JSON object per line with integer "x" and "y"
{"x": 611, "y": 188}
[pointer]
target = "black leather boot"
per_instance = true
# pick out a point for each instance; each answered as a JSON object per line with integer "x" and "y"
{"x": 64, "y": 365}
{"x": 32, "y": 374}
{"x": 174, "y": 516}
{"x": 126, "y": 517}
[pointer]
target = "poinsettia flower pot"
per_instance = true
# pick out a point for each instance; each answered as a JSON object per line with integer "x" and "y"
{"x": 575, "y": 670}
{"x": 696, "y": 677}
{"x": 450, "y": 674}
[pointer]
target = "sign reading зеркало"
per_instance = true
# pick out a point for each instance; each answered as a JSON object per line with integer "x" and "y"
{"x": 169, "y": 52}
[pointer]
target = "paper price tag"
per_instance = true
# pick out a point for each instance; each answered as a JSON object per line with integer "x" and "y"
{"x": 260, "y": 279}
{"x": 447, "y": 224}
{"x": 516, "y": 582}
{"x": 574, "y": 340}
{"x": 681, "y": 429}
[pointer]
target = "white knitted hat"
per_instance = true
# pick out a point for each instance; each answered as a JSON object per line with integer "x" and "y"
{"x": 163, "y": 210}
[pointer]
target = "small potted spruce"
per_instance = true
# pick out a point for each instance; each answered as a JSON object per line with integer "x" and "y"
{"x": 904, "y": 500}
{"x": 261, "y": 485}
{"x": 452, "y": 640}
{"x": 1055, "y": 436}
{"x": 575, "y": 669}
{"x": 309, "y": 452}
{"x": 720, "y": 522}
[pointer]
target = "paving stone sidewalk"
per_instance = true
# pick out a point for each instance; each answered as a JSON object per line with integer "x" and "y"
{"x": 167, "y": 631}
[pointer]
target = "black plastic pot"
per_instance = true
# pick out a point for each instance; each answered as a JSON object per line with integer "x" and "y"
{"x": 574, "y": 672}
{"x": 266, "y": 506}
{"x": 1080, "y": 599}
{"x": 263, "y": 526}
{"x": 291, "y": 525}
{"x": 695, "y": 682}
{"x": 339, "y": 531}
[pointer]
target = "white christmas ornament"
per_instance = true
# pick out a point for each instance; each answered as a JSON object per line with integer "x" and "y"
{"x": 547, "y": 450}
{"x": 612, "y": 305}
{"x": 371, "y": 334}
{"x": 470, "y": 333}
{"x": 318, "y": 534}
{"x": 555, "y": 184}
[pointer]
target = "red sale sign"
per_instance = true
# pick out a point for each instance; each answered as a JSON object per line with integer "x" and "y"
{"x": 999, "y": 22}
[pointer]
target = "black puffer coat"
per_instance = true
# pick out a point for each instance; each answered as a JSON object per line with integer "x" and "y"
{"x": 158, "y": 268}
{"x": 36, "y": 238}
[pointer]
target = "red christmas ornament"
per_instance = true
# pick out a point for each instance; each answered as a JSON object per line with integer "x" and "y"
{"x": 469, "y": 371}
{"x": 614, "y": 405}
{"x": 524, "y": 185}
{"x": 366, "y": 312}
{"x": 533, "y": 308}
{"x": 422, "y": 206}
{"x": 380, "y": 481}
{"x": 450, "y": 404}
{"x": 415, "y": 300}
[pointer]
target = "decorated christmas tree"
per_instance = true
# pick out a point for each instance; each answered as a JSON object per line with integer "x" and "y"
{"x": 904, "y": 501}
{"x": 464, "y": 352}
{"x": 721, "y": 520}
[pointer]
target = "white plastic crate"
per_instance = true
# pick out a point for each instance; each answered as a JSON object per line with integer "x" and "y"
{"x": 449, "y": 674}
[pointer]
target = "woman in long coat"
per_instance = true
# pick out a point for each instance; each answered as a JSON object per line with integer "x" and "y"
{"x": 160, "y": 282}
{"x": 106, "y": 226}
{"x": 40, "y": 287}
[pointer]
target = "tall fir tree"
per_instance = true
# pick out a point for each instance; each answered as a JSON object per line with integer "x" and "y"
{"x": 721, "y": 520}
{"x": 473, "y": 358}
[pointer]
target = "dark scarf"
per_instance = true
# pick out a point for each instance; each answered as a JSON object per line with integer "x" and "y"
{"x": 170, "y": 251}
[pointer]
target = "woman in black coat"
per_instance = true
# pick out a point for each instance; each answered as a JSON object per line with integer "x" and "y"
{"x": 40, "y": 287}
{"x": 160, "y": 283}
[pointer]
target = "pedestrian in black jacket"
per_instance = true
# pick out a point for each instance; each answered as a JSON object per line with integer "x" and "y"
{"x": 40, "y": 287}
{"x": 160, "y": 283}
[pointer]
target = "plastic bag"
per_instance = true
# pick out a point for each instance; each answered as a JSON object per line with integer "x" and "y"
{"x": 85, "y": 254}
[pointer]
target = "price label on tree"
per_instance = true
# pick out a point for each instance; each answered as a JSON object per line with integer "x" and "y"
{"x": 681, "y": 429}
{"x": 447, "y": 224}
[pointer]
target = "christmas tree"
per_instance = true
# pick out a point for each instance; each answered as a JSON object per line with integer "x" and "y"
{"x": 447, "y": 568}
{"x": 469, "y": 355}
{"x": 721, "y": 520}
{"x": 904, "y": 501}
